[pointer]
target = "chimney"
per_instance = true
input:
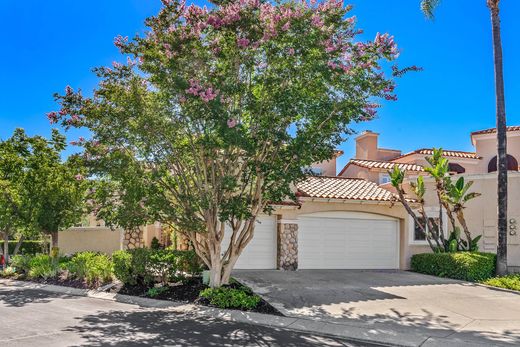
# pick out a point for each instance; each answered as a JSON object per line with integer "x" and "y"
{"x": 366, "y": 145}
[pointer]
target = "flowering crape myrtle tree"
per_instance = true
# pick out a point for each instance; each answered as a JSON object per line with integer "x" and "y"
{"x": 221, "y": 108}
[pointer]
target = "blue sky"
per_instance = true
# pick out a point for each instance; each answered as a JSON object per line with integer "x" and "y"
{"x": 47, "y": 45}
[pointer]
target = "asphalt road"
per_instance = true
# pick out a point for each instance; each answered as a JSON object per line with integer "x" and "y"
{"x": 31, "y": 317}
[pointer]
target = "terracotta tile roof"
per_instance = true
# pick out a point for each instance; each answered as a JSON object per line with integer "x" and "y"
{"x": 494, "y": 130}
{"x": 386, "y": 165}
{"x": 447, "y": 153}
{"x": 342, "y": 188}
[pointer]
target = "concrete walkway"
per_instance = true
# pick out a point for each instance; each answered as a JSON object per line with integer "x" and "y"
{"x": 393, "y": 306}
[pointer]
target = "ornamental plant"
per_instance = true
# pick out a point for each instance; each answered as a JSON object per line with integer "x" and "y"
{"x": 216, "y": 111}
{"x": 451, "y": 198}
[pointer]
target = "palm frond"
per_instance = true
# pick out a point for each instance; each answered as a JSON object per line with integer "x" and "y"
{"x": 428, "y": 7}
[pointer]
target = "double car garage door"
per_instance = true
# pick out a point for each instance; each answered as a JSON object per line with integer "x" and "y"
{"x": 334, "y": 240}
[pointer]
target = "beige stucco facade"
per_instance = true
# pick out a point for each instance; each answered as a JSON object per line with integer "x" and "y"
{"x": 99, "y": 239}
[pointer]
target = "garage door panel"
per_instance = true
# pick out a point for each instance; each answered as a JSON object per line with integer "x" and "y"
{"x": 342, "y": 243}
{"x": 260, "y": 253}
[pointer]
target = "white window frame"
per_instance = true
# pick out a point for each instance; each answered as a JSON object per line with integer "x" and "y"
{"x": 431, "y": 212}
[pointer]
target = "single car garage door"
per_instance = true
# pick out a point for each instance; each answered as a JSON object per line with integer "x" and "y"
{"x": 260, "y": 253}
{"x": 348, "y": 240}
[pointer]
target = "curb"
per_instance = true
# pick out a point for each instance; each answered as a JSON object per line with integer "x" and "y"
{"x": 363, "y": 334}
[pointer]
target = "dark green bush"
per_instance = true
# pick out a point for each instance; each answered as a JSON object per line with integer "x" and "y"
{"x": 143, "y": 266}
{"x": 130, "y": 266}
{"x": 468, "y": 266}
{"x": 27, "y": 247}
{"x": 225, "y": 297}
{"x": 22, "y": 263}
{"x": 95, "y": 268}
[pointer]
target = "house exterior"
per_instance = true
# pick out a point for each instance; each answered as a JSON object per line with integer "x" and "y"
{"x": 351, "y": 220}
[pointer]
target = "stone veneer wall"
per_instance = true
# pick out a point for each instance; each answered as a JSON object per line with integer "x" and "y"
{"x": 133, "y": 239}
{"x": 287, "y": 246}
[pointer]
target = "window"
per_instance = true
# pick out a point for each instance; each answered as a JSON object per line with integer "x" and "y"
{"x": 418, "y": 234}
{"x": 512, "y": 164}
{"x": 456, "y": 168}
{"x": 384, "y": 178}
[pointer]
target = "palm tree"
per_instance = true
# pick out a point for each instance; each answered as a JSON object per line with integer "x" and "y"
{"x": 428, "y": 8}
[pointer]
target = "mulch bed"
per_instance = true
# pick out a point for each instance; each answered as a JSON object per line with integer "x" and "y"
{"x": 188, "y": 292}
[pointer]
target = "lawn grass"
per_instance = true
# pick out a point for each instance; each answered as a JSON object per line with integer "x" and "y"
{"x": 508, "y": 282}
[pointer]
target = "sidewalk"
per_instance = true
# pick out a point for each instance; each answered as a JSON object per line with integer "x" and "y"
{"x": 378, "y": 334}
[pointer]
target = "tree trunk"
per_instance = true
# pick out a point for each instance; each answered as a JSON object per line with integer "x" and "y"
{"x": 462, "y": 221}
{"x": 18, "y": 244}
{"x": 54, "y": 237}
{"x": 6, "y": 248}
{"x": 501, "y": 139}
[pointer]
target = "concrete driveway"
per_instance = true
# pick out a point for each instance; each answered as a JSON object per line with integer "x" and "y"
{"x": 404, "y": 305}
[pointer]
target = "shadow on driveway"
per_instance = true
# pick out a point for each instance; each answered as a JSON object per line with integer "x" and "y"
{"x": 161, "y": 328}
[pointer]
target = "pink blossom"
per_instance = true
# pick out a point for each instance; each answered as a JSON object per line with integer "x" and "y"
{"x": 286, "y": 26}
{"x": 332, "y": 65}
{"x": 231, "y": 123}
{"x": 243, "y": 42}
{"x": 208, "y": 95}
{"x": 120, "y": 41}
{"x": 291, "y": 51}
{"x": 69, "y": 90}
{"x": 214, "y": 21}
{"x": 195, "y": 87}
{"x": 52, "y": 117}
{"x": 317, "y": 21}
{"x": 79, "y": 177}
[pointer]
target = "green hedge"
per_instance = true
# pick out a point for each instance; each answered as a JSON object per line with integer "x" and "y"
{"x": 467, "y": 266}
{"x": 27, "y": 247}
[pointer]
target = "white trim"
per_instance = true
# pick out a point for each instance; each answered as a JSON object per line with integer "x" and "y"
{"x": 431, "y": 212}
{"x": 348, "y": 215}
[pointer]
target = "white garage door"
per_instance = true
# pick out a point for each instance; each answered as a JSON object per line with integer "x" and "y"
{"x": 260, "y": 253}
{"x": 348, "y": 241}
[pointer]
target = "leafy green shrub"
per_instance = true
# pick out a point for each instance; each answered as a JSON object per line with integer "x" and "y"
{"x": 43, "y": 266}
{"x": 142, "y": 266}
{"x": 131, "y": 266}
{"x": 156, "y": 291}
{"x": 95, "y": 268}
{"x": 165, "y": 265}
{"x": 189, "y": 262}
{"x": 225, "y": 297}
{"x": 27, "y": 247}
{"x": 22, "y": 263}
{"x": 468, "y": 266}
{"x": 508, "y": 282}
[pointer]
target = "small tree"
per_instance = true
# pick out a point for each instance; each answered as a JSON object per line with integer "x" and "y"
{"x": 39, "y": 193}
{"x": 57, "y": 189}
{"x": 13, "y": 154}
{"x": 222, "y": 108}
{"x": 451, "y": 198}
